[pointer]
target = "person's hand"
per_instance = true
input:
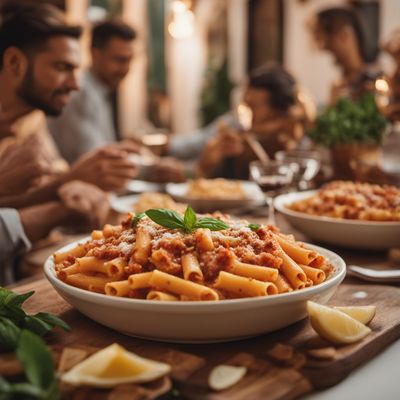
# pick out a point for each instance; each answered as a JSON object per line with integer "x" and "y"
{"x": 130, "y": 146}
{"x": 109, "y": 168}
{"x": 86, "y": 201}
{"x": 168, "y": 169}
{"x": 80, "y": 204}
{"x": 227, "y": 143}
{"x": 22, "y": 165}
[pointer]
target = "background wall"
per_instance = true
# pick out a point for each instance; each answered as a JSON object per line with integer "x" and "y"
{"x": 133, "y": 92}
{"x": 186, "y": 58}
{"x": 315, "y": 69}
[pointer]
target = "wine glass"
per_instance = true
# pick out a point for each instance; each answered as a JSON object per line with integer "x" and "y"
{"x": 306, "y": 165}
{"x": 272, "y": 178}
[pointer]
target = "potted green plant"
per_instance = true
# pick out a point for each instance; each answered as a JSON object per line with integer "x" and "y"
{"x": 353, "y": 131}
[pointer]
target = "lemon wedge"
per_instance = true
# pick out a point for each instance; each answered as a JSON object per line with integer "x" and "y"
{"x": 112, "y": 366}
{"x": 334, "y": 325}
{"x": 363, "y": 314}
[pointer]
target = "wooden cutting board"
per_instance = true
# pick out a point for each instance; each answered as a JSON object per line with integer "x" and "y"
{"x": 279, "y": 364}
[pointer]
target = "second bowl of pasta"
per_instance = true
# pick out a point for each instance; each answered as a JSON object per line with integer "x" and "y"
{"x": 346, "y": 214}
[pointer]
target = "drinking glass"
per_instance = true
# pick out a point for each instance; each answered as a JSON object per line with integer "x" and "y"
{"x": 306, "y": 165}
{"x": 272, "y": 178}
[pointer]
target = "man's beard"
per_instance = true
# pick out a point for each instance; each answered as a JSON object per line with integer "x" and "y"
{"x": 29, "y": 93}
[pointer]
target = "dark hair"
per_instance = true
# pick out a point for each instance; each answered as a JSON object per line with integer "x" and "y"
{"x": 28, "y": 26}
{"x": 278, "y": 82}
{"x": 104, "y": 31}
{"x": 333, "y": 19}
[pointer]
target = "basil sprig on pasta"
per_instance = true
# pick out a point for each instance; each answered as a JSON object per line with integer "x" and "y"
{"x": 253, "y": 227}
{"x": 136, "y": 219}
{"x": 188, "y": 223}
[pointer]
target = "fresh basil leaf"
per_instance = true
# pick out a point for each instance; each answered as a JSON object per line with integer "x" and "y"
{"x": 9, "y": 298}
{"x": 9, "y": 334}
{"x": 167, "y": 218}
{"x": 10, "y": 305}
{"x": 5, "y": 395}
{"x": 25, "y": 388}
{"x": 36, "y": 359}
{"x": 211, "y": 223}
{"x": 189, "y": 219}
{"x": 10, "y": 309}
{"x": 52, "y": 393}
{"x": 19, "y": 299}
{"x": 36, "y": 325}
{"x": 14, "y": 313}
{"x": 172, "y": 220}
{"x": 52, "y": 320}
{"x": 136, "y": 219}
{"x": 253, "y": 227}
{"x": 5, "y": 387}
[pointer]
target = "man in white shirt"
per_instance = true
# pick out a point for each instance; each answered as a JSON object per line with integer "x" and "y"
{"x": 89, "y": 118}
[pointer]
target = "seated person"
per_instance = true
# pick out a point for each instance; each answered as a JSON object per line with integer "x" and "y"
{"x": 278, "y": 122}
{"x": 23, "y": 166}
{"x": 80, "y": 204}
{"x": 340, "y": 32}
{"x": 39, "y": 54}
{"x": 393, "y": 48}
{"x": 89, "y": 119}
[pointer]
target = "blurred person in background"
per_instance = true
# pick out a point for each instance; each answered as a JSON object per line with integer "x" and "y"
{"x": 279, "y": 119}
{"x": 392, "y": 47}
{"x": 340, "y": 32}
{"x": 89, "y": 120}
{"x": 39, "y": 54}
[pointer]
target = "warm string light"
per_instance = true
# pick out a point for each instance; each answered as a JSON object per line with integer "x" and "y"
{"x": 245, "y": 116}
{"x": 182, "y": 24}
{"x": 382, "y": 92}
{"x": 381, "y": 85}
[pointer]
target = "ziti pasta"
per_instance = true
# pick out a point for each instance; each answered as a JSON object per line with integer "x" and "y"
{"x": 218, "y": 188}
{"x": 353, "y": 200}
{"x": 164, "y": 256}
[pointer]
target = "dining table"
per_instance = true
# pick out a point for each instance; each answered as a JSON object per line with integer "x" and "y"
{"x": 364, "y": 370}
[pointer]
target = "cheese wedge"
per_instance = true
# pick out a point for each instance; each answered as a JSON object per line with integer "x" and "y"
{"x": 113, "y": 366}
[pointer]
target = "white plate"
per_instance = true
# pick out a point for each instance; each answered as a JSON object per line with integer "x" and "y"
{"x": 254, "y": 197}
{"x": 369, "y": 235}
{"x": 123, "y": 204}
{"x": 138, "y": 186}
{"x": 198, "y": 322}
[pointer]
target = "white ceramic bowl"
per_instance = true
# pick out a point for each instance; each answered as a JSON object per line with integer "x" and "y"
{"x": 369, "y": 235}
{"x": 198, "y": 322}
{"x": 254, "y": 197}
